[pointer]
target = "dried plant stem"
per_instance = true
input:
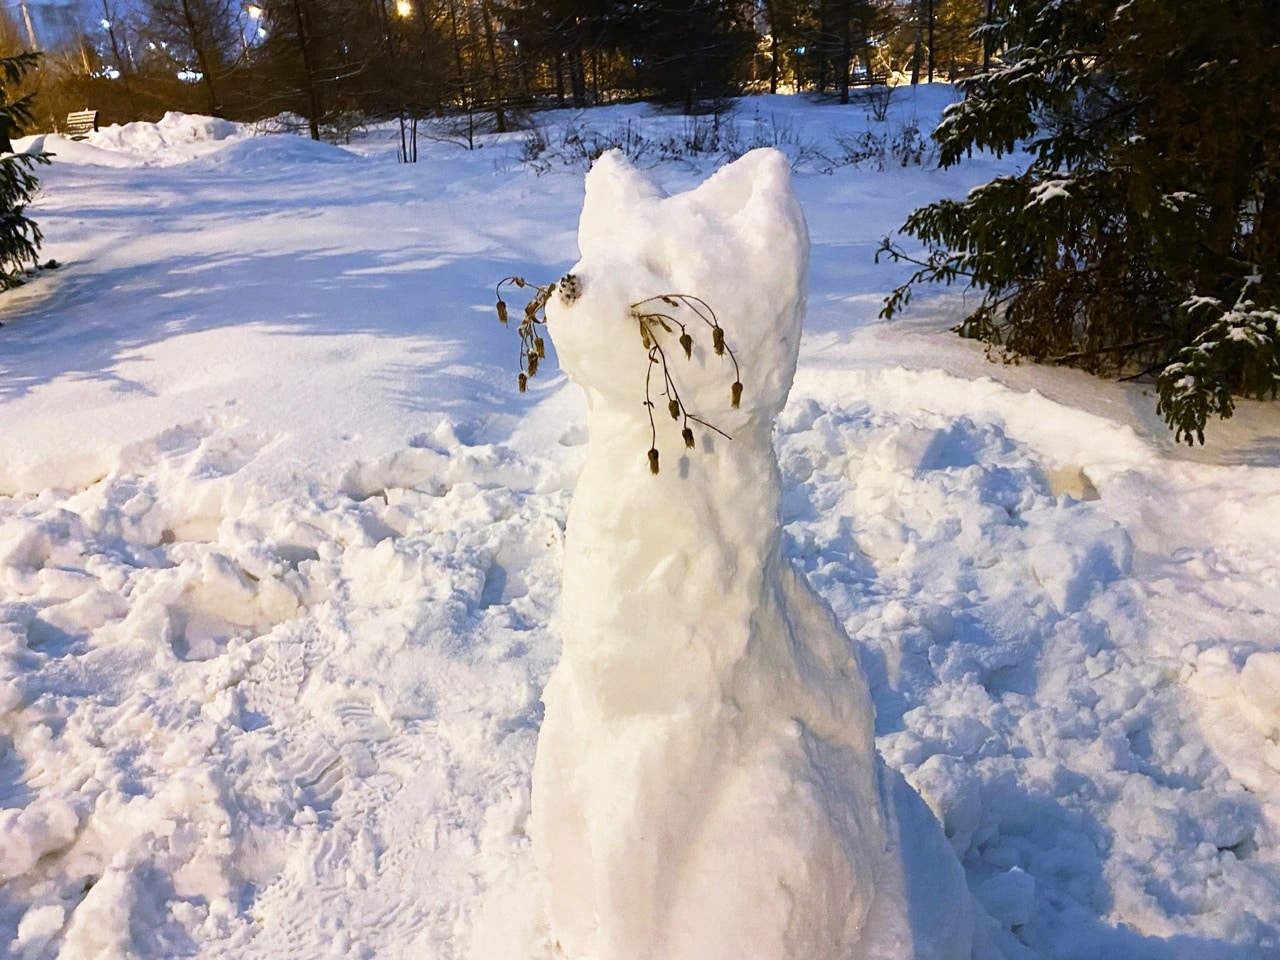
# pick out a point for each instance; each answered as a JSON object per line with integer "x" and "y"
{"x": 702, "y": 310}
{"x": 532, "y": 346}
{"x": 654, "y": 321}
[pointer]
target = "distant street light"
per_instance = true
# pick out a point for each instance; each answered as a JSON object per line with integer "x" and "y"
{"x": 404, "y": 8}
{"x": 254, "y": 13}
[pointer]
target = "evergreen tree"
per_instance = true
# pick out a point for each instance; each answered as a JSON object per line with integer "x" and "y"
{"x": 19, "y": 235}
{"x": 1144, "y": 233}
{"x": 691, "y": 52}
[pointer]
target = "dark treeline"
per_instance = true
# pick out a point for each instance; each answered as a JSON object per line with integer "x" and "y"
{"x": 338, "y": 62}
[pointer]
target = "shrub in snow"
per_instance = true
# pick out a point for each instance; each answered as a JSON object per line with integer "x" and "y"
{"x": 706, "y": 783}
{"x": 720, "y": 137}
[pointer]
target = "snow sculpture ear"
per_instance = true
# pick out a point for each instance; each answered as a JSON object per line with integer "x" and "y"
{"x": 755, "y": 188}
{"x": 615, "y": 189}
{"x": 761, "y": 260}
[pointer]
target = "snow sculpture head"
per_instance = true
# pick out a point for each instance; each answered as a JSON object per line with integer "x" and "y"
{"x": 737, "y": 242}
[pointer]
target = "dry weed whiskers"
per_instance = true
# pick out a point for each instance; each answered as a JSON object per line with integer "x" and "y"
{"x": 664, "y": 322}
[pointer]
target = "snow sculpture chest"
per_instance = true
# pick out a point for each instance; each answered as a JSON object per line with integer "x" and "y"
{"x": 706, "y": 784}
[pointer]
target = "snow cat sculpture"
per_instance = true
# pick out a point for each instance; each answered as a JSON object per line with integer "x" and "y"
{"x": 706, "y": 784}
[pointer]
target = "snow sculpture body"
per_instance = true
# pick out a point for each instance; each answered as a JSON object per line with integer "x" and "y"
{"x": 706, "y": 784}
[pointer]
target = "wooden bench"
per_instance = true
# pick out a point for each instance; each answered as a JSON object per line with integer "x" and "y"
{"x": 81, "y": 123}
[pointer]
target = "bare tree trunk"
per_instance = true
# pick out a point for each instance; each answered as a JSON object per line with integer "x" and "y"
{"x": 313, "y": 95}
{"x": 917, "y": 52}
{"x": 986, "y": 38}
{"x": 393, "y": 61}
{"x": 499, "y": 117}
{"x": 198, "y": 47}
{"x": 109, "y": 20}
{"x": 691, "y": 44}
{"x": 771, "y": 13}
{"x": 463, "y": 89}
{"x": 931, "y": 25}
{"x": 577, "y": 75}
{"x": 773, "y": 61}
{"x": 31, "y": 30}
{"x": 846, "y": 49}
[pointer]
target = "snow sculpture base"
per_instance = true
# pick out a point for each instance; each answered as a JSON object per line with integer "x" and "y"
{"x": 706, "y": 783}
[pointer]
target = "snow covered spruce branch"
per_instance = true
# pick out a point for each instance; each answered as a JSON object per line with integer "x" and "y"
{"x": 1199, "y": 382}
{"x": 940, "y": 266}
{"x": 658, "y": 318}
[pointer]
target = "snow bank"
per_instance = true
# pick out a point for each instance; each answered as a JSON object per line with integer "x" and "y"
{"x": 706, "y": 783}
{"x": 275, "y": 150}
{"x": 173, "y": 131}
{"x": 181, "y": 138}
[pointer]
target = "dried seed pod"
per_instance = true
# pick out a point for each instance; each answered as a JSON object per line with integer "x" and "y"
{"x": 717, "y": 340}
{"x": 645, "y": 338}
{"x": 502, "y": 312}
{"x": 524, "y": 383}
{"x": 519, "y": 281}
{"x": 533, "y": 363}
{"x": 673, "y": 408}
{"x": 541, "y": 347}
{"x": 736, "y": 394}
{"x": 570, "y": 289}
{"x": 686, "y": 341}
{"x": 653, "y": 460}
{"x": 687, "y": 433}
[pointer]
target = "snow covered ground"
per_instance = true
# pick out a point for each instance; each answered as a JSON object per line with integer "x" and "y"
{"x": 280, "y": 548}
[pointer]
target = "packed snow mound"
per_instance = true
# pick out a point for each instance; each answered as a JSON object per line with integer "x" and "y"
{"x": 172, "y": 130}
{"x": 182, "y": 138}
{"x": 277, "y": 149}
{"x": 80, "y": 152}
{"x": 706, "y": 784}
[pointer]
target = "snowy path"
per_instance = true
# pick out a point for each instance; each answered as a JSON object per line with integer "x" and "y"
{"x": 279, "y": 561}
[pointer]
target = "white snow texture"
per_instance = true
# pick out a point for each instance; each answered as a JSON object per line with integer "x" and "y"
{"x": 706, "y": 784}
{"x": 281, "y": 549}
